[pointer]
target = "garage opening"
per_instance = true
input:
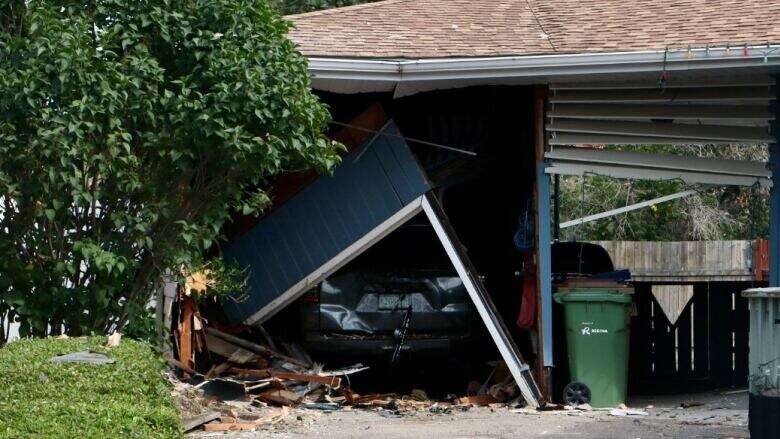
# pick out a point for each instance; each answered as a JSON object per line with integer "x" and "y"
{"x": 431, "y": 302}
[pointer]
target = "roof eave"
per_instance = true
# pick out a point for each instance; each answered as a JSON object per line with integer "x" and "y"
{"x": 557, "y": 65}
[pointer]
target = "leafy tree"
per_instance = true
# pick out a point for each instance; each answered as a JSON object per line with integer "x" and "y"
{"x": 130, "y": 129}
{"x": 714, "y": 213}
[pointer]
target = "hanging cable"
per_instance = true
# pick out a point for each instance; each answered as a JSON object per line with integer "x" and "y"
{"x": 664, "y": 73}
{"x": 408, "y": 139}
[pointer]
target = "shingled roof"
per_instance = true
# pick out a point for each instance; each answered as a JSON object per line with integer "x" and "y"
{"x": 412, "y": 29}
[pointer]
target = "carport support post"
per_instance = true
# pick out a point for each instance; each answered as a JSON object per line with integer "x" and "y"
{"x": 774, "y": 196}
{"x": 543, "y": 249}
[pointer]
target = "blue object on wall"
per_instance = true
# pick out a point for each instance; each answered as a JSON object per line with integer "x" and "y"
{"x": 372, "y": 184}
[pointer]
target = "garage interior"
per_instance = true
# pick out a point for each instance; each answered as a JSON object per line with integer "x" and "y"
{"x": 477, "y": 178}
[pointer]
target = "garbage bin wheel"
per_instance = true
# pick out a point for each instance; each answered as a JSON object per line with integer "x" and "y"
{"x": 576, "y": 393}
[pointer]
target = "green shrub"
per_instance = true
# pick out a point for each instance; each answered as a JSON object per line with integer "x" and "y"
{"x": 129, "y": 398}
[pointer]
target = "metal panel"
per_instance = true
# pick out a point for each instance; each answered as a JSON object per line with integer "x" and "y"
{"x": 693, "y": 133}
{"x": 622, "y": 164}
{"x": 637, "y": 114}
{"x": 764, "y": 357}
{"x": 660, "y": 161}
{"x": 566, "y": 139}
{"x": 676, "y": 112}
{"x": 326, "y": 224}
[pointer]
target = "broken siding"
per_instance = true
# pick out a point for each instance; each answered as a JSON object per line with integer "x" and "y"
{"x": 322, "y": 220}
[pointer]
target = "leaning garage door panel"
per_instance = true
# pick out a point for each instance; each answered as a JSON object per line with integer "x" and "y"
{"x": 371, "y": 185}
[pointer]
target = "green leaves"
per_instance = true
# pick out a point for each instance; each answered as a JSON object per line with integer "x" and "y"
{"x": 129, "y": 133}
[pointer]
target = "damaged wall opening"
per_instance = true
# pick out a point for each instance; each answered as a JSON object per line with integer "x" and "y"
{"x": 411, "y": 305}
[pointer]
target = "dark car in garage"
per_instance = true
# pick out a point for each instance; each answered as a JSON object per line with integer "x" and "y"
{"x": 401, "y": 298}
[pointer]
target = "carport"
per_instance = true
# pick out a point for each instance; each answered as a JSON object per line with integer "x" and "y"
{"x": 601, "y": 74}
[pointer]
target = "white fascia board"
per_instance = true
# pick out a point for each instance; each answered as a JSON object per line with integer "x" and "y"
{"x": 541, "y": 66}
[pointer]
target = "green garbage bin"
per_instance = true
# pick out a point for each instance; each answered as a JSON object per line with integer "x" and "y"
{"x": 597, "y": 328}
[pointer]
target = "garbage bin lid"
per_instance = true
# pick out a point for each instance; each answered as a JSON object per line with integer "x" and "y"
{"x": 769, "y": 293}
{"x": 593, "y": 296}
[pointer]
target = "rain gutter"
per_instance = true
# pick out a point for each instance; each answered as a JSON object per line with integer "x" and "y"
{"x": 432, "y": 69}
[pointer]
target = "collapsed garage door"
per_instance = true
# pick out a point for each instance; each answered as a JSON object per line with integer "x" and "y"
{"x": 375, "y": 190}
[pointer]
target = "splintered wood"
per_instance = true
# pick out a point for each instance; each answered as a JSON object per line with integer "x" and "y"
{"x": 185, "y": 332}
{"x": 331, "y": 381}
{"x": 268, "y": 419}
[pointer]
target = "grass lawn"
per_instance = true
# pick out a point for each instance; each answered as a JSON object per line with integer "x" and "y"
{"x": 129, "y": 398}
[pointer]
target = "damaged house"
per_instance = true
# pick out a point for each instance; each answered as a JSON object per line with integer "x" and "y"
{"x": 435, "y": 232}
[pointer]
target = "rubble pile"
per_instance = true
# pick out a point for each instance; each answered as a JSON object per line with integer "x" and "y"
{"x": 245, "y": 384}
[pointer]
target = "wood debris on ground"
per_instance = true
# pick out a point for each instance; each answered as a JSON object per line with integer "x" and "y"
{"x": 239, "y": 365}
{"x": 114, "y": 340}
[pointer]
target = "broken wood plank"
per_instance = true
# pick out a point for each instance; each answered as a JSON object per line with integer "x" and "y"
{"x": 254, "y": 347}
{"x": 222, "y": 426}
{"x": 478, "y": 400}
{"x": 266, "y": 385}
{"x": 230, "y": 424}
{"x": 331, "y": 381}
{"x": 372, "y": 397}
{"x": 267, "y": 337}
{"x": 185, "y": 332}
{"x": 254, "y": 373}
{"x": 114, "y": 340}
{"x": 194, "y": 422}
{"x": 241, "y": 356}
{"x": 273, "y": 418}
{"x": 228, "y": 350}
{"x": 349, "y": 396}
{"x": 178, "y": 364}
{"x": 280, "y": 397}
{"x": 217, "y": 370}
